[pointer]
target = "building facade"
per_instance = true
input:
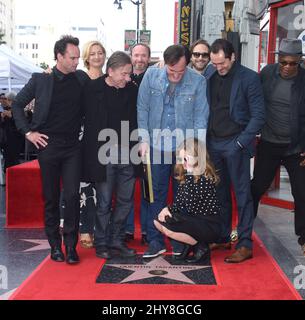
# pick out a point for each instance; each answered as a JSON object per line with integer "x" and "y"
{"x": 285, "y": 19}
{"x": 234, "y": 20}
{"x": 7, "y": 21}
{"x": 36, "y": 41}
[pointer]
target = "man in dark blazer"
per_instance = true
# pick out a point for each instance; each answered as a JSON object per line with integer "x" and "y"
{"x": 236, "y": 115}
{"x": 54, "y": 130}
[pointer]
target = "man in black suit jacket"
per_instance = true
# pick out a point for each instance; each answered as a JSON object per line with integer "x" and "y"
{"x": 54, "y": 131}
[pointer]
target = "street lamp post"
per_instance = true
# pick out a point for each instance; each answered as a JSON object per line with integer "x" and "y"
{"x": 137, "y": 3}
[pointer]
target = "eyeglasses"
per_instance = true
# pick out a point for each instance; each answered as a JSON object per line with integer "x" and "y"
{"x": 203, "y": 54}
{"x": 290, "y": 64}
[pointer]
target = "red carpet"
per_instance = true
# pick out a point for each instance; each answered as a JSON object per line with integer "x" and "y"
{"x": 24, "y": 201}
{"x": 258, "y": 278}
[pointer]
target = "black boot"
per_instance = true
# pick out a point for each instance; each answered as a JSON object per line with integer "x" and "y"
{"x": 57, "y": 254}
{"x": 185, "y": 252}
{"x": 201, "y": 254}
{"x": 102, "y": 252}
{"x": 123, "y": 250}
{"x": 71, "y": 255}
{"x": 144, "y": 239}
{"x": 117, "y": 242}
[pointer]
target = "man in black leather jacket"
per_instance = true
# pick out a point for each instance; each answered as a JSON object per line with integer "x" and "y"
{"x": 283, "y": 135}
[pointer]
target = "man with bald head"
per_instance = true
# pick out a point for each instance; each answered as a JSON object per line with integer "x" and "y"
{"x": 140, "y": 59}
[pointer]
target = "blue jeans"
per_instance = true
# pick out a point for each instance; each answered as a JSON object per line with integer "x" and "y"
{"x": 161, "y": 174}
{"x": 109, "y": 223}
{"x": 233, "y": 167}
{"x": 144, "y": 211}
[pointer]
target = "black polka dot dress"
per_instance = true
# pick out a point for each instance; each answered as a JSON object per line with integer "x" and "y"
{"x": 197, "y": 209}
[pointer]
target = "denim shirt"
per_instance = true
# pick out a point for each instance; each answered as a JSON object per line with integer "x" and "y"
{"x": 190, "y": 103}
{"x": 168, "y": 120}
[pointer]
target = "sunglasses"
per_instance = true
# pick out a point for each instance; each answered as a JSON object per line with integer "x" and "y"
{"x": 181, "y": 160}
{"x": 198, "y": 54}
{"x": 290, "y": 64}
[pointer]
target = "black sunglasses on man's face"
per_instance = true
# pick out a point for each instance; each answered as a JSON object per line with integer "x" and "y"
{"x": 290, "y": 64}
{"x": 203, "y": 54}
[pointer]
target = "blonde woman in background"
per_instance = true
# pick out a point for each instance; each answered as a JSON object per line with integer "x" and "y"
{"x": 94, "y": 55}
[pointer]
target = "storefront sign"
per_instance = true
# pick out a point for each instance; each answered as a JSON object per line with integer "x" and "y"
{"x": 185, "y": 22}
{"x": 253, "y": 24}
{"x": 130, "y": 39}
{"x": 145, "y": 36}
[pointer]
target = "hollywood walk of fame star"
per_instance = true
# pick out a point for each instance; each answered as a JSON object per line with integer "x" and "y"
{"x": 158, "y": 267}
{"x": 41, "y": 244}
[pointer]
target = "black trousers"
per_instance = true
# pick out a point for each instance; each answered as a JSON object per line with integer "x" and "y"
{"x": 60, "y": 162}
{"x": 269, "y": 157}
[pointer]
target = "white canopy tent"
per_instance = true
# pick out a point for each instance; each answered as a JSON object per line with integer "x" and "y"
{"x": 15, "y": 70}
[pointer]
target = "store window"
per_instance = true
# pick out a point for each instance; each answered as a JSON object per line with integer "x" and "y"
{"x": 291, "y": 23}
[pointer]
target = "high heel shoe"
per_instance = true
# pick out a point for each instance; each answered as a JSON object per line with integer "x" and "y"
{"x": 86, "y": 240}
{"x": 201, "y": 254}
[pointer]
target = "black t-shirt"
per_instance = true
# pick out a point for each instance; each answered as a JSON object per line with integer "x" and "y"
{"x": 64, "y": 116}
{"x": 220, "y": 124}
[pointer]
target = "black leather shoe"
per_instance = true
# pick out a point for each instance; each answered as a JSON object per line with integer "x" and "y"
{"x": 57, "y": 254}
{"x": 144, "y": 239}
{"x": 184, "y": 254}
{"x": 201, "y": 255}
{"x": 71, "y": 255}
{"x": 129, "y": 237}
{"x": 102, "y": 252}
{"x": 123, "y": 250}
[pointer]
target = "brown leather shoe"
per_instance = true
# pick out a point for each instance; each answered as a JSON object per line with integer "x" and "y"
{"x": 220, "y": 246}
{"x": 241, "y": 254}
